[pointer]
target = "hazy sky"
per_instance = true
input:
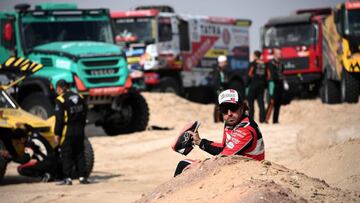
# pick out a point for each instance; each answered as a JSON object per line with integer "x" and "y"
{"x": 259, "y": 11}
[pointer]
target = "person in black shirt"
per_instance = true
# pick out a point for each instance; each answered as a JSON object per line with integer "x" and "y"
{"x": 257, "y": 75}
{"x": 220, "y": 83}
{"x": 70, "y": 113}
{"x": 276, "y": 86}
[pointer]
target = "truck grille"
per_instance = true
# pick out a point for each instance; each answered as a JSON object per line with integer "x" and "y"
{"x": 296, "y": 63}
{"x": 103, "y": 80}
{"x": 101, "y": 71}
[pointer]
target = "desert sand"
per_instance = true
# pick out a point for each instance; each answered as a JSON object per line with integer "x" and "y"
{"x": 312, "y": 155}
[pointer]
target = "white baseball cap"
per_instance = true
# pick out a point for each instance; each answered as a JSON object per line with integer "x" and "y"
{"x": 222, "y": 58}
{"x": 228, "y": 96}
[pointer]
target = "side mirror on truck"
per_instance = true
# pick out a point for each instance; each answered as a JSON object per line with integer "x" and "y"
{"x": 8, "y": 32}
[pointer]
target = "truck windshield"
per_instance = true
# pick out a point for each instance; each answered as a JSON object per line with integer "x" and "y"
{"x": 38, "y": 33}
{"x": 354, "y": 22}
{"x": 133, "y": 29}
{"x": 291, "y": 35}
{"x": 5, "y": 101}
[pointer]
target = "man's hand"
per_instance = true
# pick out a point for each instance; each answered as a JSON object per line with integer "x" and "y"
{"x": 195, "y": 137}
{"x": 57, "y": 140}
{"x": 5, "y": 154}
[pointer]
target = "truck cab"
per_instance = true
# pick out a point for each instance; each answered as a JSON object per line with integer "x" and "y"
{"x": 73, "y": 44}
{"x": 299, "y": 37}
{"x": 178, "y": 52}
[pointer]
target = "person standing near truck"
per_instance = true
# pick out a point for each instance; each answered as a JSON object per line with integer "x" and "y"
{"x": 70, "y": 113}
{"x": 220, "y": 82}
{"x": 257, "y": 75}
{"x": 276, "y": 86}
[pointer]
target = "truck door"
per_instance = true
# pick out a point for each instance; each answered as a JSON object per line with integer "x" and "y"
{"x": 8, "y": 41}
{"x": 184, "y": 35}
{"x": 168, "y": 38}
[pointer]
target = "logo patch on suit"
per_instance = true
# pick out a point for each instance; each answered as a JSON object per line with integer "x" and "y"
{"x": 74, "y": 99}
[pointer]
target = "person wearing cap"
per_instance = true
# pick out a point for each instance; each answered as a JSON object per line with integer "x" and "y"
{"x": 257, "y": 75}
{"x": 70, "y": 114}
{"x": 220, "y": 82}
{"x": 241, "y": 135}
{"x": 221, "y": 75}
{"x": 39, "y": 158}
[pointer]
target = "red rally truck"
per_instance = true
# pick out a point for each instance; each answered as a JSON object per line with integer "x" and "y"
{"x": 299, "y": 37}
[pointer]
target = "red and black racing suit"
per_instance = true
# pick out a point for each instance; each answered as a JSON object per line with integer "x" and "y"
{"x": 244, "y": 139}
{"x": 39, "y": 157}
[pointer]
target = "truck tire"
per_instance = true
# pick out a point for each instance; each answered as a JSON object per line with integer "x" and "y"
{"x": 39, "y": 105}
{"x": 89, "y": 162}
{"x": 287, "y": 97}
{"x": 169, "y": 85}
{"x": 136, "y": 121}
{"x": 330, "y": 92}
{"x": 350, "y": 88}
{"x": 3, "y": 162}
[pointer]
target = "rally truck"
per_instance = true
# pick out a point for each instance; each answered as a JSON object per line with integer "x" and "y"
{"x": 299, "y": 37}
{"x": 15, "y": 122}
{"x": 341, "y": 54}
{"x": 76, "y": 45}
{"x": 320, "y": 50}
{"x": 178, "y": 52}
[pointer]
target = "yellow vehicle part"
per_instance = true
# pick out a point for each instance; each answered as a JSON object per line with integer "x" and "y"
{"x": 13, "y": 118}
{"x": 20, "y": 65}
{"x": 214, "y": 53}
{"x": 133, "y": 60}
{"x": 351, "y": 61}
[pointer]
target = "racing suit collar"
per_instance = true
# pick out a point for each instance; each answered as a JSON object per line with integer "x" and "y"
{"x": 243, "y": 119}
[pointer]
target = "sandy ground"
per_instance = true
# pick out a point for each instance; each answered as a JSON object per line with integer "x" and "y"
{"x": 319, "y": 140}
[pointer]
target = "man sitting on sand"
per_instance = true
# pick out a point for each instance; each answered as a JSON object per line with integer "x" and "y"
{"x": 241, "y": 135}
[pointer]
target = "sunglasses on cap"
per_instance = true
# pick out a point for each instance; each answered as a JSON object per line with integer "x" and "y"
{"x": 224, "y": 108}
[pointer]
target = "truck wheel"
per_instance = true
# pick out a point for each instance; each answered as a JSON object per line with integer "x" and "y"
{"x": 330, "y": 92}
{"x": 39, "y": 105}
{"x": 350, "y": 88}
{"x": 168, "y": 84}
{"x": 3, "y": 162}
{"x": 287, "y": 97}
{"x": 89, "y": 159}
{"x": 133, "y": 117}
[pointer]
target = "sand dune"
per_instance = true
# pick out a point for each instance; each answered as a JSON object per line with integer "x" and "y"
{"x": 311, "y": 138}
